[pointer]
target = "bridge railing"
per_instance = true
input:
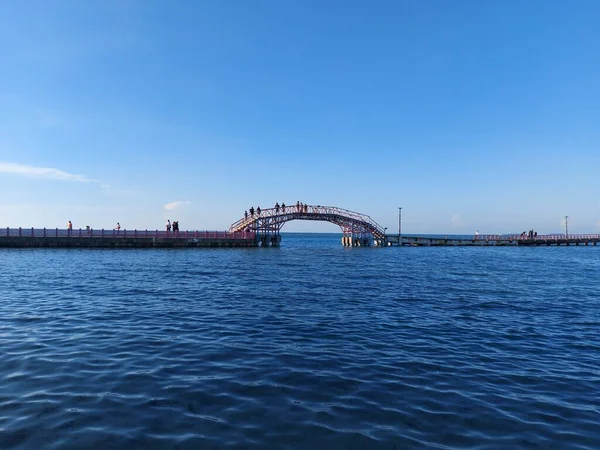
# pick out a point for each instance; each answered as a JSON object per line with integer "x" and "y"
{"x": 544, "y": 237}
{"x": 306, "y": 209}
{"x": 115, "y": 234}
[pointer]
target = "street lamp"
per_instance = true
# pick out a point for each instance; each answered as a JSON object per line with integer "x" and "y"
{"x": 399, "y": 223}
{"x": 566, "y": 227}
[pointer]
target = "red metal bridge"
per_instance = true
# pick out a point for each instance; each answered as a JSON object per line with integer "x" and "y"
{"x": 357, "y": 229}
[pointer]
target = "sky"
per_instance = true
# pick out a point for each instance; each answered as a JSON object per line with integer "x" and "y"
{"x": 470, "y": 115}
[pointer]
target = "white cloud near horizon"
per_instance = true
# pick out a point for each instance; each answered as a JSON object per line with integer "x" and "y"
{"x": 457, "y": 220}
{"x": 176, "y": 205}
{"x": 42, "y": 172}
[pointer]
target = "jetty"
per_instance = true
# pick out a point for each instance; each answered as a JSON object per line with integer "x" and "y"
{"x": 64, "y": 238}
{"x": 262, "y": 228}
{"x": 494, "y": 240}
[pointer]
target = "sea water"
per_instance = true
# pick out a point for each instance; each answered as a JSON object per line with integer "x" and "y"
{"x": 310, "y": 345}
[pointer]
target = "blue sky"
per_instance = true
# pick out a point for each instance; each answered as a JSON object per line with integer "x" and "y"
{"x": 468, "y": 114}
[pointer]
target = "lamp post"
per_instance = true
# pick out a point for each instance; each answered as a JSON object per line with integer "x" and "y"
{"x": 399, "y": 225}
{"x": 566, "y": 227}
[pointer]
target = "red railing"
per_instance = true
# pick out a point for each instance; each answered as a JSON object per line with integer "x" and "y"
{"x": 114, "y": 234}
{"x": 543, "y": 237}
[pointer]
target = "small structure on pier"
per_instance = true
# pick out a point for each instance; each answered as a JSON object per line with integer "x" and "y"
{"x": 357, "y": 229}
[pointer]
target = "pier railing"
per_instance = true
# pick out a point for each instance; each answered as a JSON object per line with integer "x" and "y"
{"x": 540, "y": 237}
{"x": 115, "y": 234}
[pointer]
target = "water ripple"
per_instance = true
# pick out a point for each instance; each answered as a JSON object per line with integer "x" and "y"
{"x": 310, "y": 345}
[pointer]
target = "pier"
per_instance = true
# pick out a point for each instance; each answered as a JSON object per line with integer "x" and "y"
{"x": 494, "y": 240}
{"x": 261, "y": 228}
{"x": 63, "y": 238}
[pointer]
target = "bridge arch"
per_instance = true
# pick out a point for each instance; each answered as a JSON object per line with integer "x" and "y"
{"x": 357, "y": 229}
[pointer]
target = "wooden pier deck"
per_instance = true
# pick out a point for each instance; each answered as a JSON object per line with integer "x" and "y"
{"x": 494, "y": 240}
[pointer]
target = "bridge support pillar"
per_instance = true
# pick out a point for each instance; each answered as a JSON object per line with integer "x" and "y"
{"x": 358, "y": 241}
{"x": 269, "y": 240}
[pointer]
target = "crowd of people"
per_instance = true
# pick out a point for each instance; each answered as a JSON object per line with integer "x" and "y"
{"x": 529, "y": 234}
{"x": 299, "y": 207}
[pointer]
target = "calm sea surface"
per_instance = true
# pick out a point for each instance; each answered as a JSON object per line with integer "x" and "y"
{"x": 311, "y": 345}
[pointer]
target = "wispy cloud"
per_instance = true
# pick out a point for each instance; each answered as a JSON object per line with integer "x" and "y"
{"x": 42, "y": 172}
{"x": 176, "y": 205}
{"x": 457, "y": 220}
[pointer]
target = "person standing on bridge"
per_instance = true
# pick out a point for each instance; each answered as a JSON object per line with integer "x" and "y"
{"x": 245, "y": 215}
{"x": 252, "y": 211}
{"x": 258, "y": 210}
{"x": 277, "y": 207}
{"x": 283, "y": 207}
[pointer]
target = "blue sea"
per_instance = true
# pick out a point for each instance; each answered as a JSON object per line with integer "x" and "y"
{"x": 306, "y": 346}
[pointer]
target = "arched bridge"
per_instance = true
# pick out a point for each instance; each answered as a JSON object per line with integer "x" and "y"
{"x": 357, "y": 229}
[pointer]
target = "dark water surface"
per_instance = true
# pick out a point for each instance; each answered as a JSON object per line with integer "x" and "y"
{"x": 311, "y": 345}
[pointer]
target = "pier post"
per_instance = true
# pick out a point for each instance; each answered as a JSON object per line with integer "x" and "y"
{"x": 276, "y": 240}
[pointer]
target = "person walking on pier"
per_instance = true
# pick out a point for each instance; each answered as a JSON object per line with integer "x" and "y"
{"x": 118, "y": 227}
{"x": 69, "y": 227}
{"x": 168, "y": 225}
